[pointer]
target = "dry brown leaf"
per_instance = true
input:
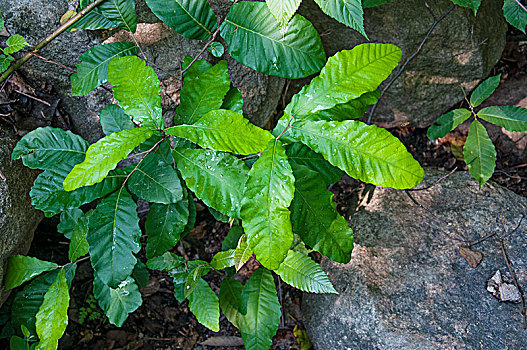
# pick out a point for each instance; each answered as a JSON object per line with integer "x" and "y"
{"x": 472, "y": 257}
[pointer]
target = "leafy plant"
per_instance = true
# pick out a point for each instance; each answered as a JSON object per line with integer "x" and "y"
{"x": 514, "y": 11}
{"x": 14, "y": 44}
{"x": 479, "y": 152}
{"x": 89, "y": 312}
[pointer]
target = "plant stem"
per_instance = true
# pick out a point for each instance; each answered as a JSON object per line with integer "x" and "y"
{"x": 48, "y": 39}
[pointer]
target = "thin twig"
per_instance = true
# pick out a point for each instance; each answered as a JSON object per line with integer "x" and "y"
{"x": 511, "y": 272}
{"x": 521, "y": 5}
{"x": 432, "y": 185}
{"x": 54, "y": 62}
{"x": 32, "y": 97}
{"x": 490, "y": 235}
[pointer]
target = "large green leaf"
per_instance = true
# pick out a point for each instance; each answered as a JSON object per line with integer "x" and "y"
{"x": 447, "y": 122}
{"x": 93, "y": 69}
{"x": 109, "y": 14}
{"x": 471, "y": 4}
{"x": 198, "y": 68}
{"x": 484, "y": 90}
{"x": 52, "y": 317}
{"x": 515, "y": 14}
{"x": 300, "y": 154}
{"x": 256, "y": 40}
{"x": 113, "y": 119}
{"x": 265, "y": 214}
{"x": 216, "y": 178}
{"x": 222, "y": 260}
{"x": 479, "y": 153}
{"x": 164, "y": 225}
{"x": 95, "y": 19}
{"x": 104, "y": 155}
{"x": 511, "y": 118}
{"x": 117, "y": 302}
{"x": 113, "y": 237}
{"x": 45, "y": 148}
{"x": 199, "y": 96}
{"x": 78, "y": 244}
{"x": 166, "y": 262}
{"x": 68, "y": 220}
{"x": 315, "y": 218}
{"x": 204, "y": 304}
{"x": 231, "y": 240}
{"x": 224, "y": 130}
{"x": 23, "y": 268}
{"x": 193, "y": 19}
{"x": 348, "y": 12}
{"x": 364, "y": 152}
{"x": 230, "y": 301}
{"x": 137, "y": 89}
{"x": 301, "y": 272}
{"x": 347, "y": 75}
{"x": 353, "y": 109}
{"x": 283, "y": 10}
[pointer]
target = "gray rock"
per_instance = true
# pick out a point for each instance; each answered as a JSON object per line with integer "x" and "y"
{"x": 18, "y": 219}
{"x": 407, "y": 287}
{"x": 429, "y": 86}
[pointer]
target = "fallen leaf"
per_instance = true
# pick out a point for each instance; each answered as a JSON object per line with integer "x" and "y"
{"x": 472, "y": 257}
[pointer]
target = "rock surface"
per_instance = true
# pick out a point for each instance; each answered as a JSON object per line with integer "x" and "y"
{"x": 18, "y": 219}
{"x": 407, "y": 287}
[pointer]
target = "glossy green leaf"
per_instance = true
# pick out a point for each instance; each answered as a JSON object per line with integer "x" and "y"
{"x": 93, "y": 69}
{"x": 479, "y": 153}
{"x": 233, "y": 236}
{"x": 346, "y": 76}
{"x": 204, "y": 304}
{"x": 17, "y": 343}
{"x": 109, "y": 14}
{"x": 447, "y": 122}
{"x": 265, "y": 214}
{"x": 113, "y": 237}
{"x": 233, "y": 101}
{"x": 79, "y": 245}
{"x": 242, "y": 253}
{"x": 140, "y": 274}
{"x": 5, "y": 62}
{"x": 365, "y": 152}
{"x": 180, "y": 274}
{"x": 194, "y": 276}
{"x": 348, "y": 12}
{"x": 166, "y": 262}
{"x": 164, "y": 225}
{"x": 14, "y": 44}
{"x": 94, "y": 20}
{"x": 216, "y": 49}
{"x": 23, "y": 268}
{"x": 223, "y": 260}
{"x": 52, "y": 317}
{"x": 117, "y": 302}
{"x": 198, "y": 68}
{"x": 231, "y": 302}
{"x": 224, "y": 130}
{"x": 256, "y": 40}
{"x": 103, "y": 156}
{"x": 299, "y": 271}
{"x": 283, "y": 10}
{"x": 484, "y": 90}
{"x": 471, "y": 4}
{"x": 113, "y": 119}
{"x": 137, "y": 89}
{"x": 300, "y": 154}
{"x": 193, "y": 19}
{"x": 353, "y": 109}
{"x": 511, "y": 118}
{"x": 68, "y": 220}
{"x": 191, "y": 214}
{"x": 515, "y": 14}
{"x": 216, "y": 178}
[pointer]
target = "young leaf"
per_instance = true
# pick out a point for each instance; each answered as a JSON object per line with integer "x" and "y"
{"x": 223, "y": 260}
{"x": 232, "y": 238}
{"x": 103, "y": 156}
{"x": 93, "y": 69}
{"x": 300, "y": 154}
{"x": 117, "y": 302}
{"x": 283, "y": 10}
{"x": 216, "y": 178}
{"x": 265, "y": 214}
{"x": 226, "y": 131}
{"x": 137, "y": 89}
{"x": 52, "y": 317}
{"x": 166, "y": 262}
{"x": 180, "y": 274}
{"x": 216, "y": 49}
{"x": 193, "y": 19}
{"x": 204, "y": 304}
{"x": 233, "y": 101}
{"x": 5, "y": 62}
{"x": 68, "y": 220}
{"x": 256, "y": 40}
{"x": 515, "y": 14}
{"x": 113, "y": 119}
{"x": 511, "y": 118}
{"x": 471, "y": 4}
{"x": 242, "y": 253}
{"x": 23, "y": 268}
{"x": 447, "y": 122}
{"x": 479, "y": 152}
{"x": 79, "y": 244}
{"x": 348, "y": 12}
{"x": 113, "y": 237}
{"x": 299, "y": 271}
{"x": 484, "y": 90}
{"x": 194, "y": 276}
{"x": 230, "y": 301}
{"x": 109, "y": 14}
{"x": 164, "y": 225}
{"x": 14, "y": 44}
{"x": 346, "y": 76}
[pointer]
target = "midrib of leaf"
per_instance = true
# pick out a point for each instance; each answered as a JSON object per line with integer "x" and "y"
{"x": 107, "y": 60}
{"x": 122, "y": 17}
{"x": 201, "y": 100}
{"x": 154, "y": 180}
{"x": 115, "y": 224}
{"x": 506, "y": 118}
{"x": 32, "y": 150}
{"x": 193, "y": 18}
{"x": 199, "y": 126}
{"x": 151, "y": 111}
{"x": 269, "y": 250}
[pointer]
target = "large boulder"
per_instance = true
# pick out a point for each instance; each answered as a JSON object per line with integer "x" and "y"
{"x": 408, "y": 287}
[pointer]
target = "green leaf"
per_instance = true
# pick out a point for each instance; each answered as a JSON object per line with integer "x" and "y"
{"x": 194, "y": 276}
{"x": 265, "y": 217}
{"x": 364, "y": 152}
{"x": 224, "y": 130}
{"x": 346, "y": 76}
{"x": 479, "y": 153}
{"x": 299, "y": 271}
{"x": 137, "y": 89}
{"x": 216, "y": 178}
{"x": 223, "y": 260}
{"x": 510, "y": 117}
{"x": 191, "y": 214}
{"x": 242, "y": 253}
{"x": 283, "y": 10}
{"x": 348, "y": 12}
{"x": 164, "y": 225}
{"x": 117, "y": 302}
{"x": 113, "y": 119}
{"x": 109, "y": 14}
{"x": 5, "y": 62}
{"x": 203, "y": 95}
{"x": 193, "y": 19}
{"x": 180, "y": 274}
{"x": 17, "y": 343}
{"x": 233, "y": 236}
{"x": 471, "y": 4}
{"x": 216, "y": 49}
{"x": 23, "y": 268}
{"x": 315, "y": 218}
{"x": 256, "y": 40}
{"x": 140, "y": 274}
{"x": 166, "y": 262}
{"x": 484, "y": 90}
{"x": 515, "y": 14}
{"x": 373, "y": 3}
{"x": 198, "y": 68}
{"x": 204, "y": 304}
{"x": 45, "y": 148}
{"x": 14, "y": 44}
{"x": 52, "y": 317}
{"x": 79, "y": 244}
{"x": 1, "y": 23}
{"x": 233, "y": 101}
{"x": 353, "y": 109}
{"x": 113, "y": 237}
{"x": 300, "y": 154}
{"x": 68, "y": 221}
{"x": 104, "y": 155}
{"x": 230, "y": 301}
{"x": 93, "y": 69}
{"x": 447, "y": 122}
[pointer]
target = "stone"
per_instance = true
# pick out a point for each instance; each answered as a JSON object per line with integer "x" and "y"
{"x": 18, "y": 218}
{"x": 407, "y": 286}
